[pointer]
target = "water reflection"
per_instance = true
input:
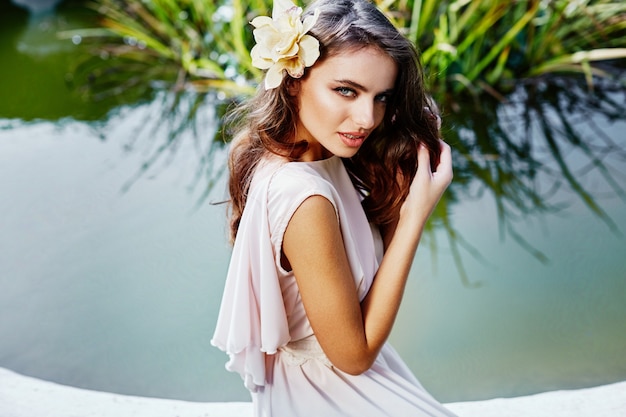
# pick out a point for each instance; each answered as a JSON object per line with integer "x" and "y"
{"x": 37, "y": 6}
{"x": 533, "y": 151}
{"x": 38, "y": 77}
{"x": 170, "y": 120}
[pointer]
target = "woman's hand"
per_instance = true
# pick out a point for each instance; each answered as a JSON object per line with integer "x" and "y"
{"x": 428, "y": 186}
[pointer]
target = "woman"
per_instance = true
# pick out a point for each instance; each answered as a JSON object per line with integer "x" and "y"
{"x": 334, "y": 171}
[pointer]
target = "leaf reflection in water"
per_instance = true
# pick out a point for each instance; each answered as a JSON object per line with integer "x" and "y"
{"x": 171, "y": 121}
{"x": 530, "y": 152}
{"x": 535, "y": 150}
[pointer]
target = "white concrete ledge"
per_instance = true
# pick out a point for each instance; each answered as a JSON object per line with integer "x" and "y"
{"x": 22, "y": 396}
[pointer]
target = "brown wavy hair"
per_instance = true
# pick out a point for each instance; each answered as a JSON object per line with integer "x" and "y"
{"x": 386, "y": 163}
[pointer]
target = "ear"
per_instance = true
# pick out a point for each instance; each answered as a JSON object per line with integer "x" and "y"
{"x": 293, "y": 86}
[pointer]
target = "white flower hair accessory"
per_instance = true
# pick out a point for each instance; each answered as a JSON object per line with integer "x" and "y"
{"x": 282, "y": 43}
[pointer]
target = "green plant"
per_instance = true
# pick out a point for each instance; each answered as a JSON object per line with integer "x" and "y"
{"x": 487, "y": 45}
{"x": 468, "y": 45}
{"x": 188, "y": 43}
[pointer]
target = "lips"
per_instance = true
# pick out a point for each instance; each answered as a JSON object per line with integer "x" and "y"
{"x": 353, "y": 140}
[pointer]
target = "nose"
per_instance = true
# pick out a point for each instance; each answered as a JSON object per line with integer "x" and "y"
{"x": 364, "y": 114}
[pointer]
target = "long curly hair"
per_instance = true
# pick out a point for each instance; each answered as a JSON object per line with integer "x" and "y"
{"x": 386, "y": 163}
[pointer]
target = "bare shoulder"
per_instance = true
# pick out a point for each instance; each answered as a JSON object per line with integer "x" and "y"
{"x": 314, "y": 247}
{"x": 313, "y": 224}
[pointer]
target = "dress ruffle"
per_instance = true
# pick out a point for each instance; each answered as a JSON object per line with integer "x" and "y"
{"x": 252, "y": 277}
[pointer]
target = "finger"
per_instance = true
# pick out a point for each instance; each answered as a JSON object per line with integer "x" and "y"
{"x": 446, "y": 151}
{"x": 432, "y": 112}
{"x": 423, "y": 158}
{"x": 445, "y": 159}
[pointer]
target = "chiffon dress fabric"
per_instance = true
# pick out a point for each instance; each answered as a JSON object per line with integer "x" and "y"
{"x": 262, "y": 324}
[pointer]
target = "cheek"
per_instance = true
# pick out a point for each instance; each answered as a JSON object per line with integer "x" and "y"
{"x": 319, "y": 105}
{"x": 380, "y": 114}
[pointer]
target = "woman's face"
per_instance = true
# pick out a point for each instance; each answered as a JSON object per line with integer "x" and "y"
{"x": 342, "y": 100}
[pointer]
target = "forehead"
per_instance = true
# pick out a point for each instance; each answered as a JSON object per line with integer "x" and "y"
{"x": 369, "y": 67}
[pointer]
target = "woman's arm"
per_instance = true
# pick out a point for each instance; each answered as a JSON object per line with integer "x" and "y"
{"x": 352, "y": 333}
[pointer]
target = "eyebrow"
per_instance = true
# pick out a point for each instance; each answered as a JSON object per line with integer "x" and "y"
{"x": 361, "y": 87}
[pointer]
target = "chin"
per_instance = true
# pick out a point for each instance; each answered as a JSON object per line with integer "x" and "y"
{"x": 347, "y": 154}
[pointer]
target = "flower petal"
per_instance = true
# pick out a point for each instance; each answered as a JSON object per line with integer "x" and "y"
{"x": 280, "y": 7}
{"x": 266, "y": 35}
{"x": 310, "y": 21}
{"x": 309, "y": 50}
{"x": 261, "y": 21}
{"x": 258, "y": 59}
{"x": 274, "y": 76}
{"x": 295, "y": 67}
{"x": 288, "y": 46}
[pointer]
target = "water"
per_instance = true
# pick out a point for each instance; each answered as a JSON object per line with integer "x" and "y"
{"x": 112, "y": 260}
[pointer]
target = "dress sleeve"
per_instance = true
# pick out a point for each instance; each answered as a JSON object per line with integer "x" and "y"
{"x": 288, "y": 189}
{"x": 252, "y": 319}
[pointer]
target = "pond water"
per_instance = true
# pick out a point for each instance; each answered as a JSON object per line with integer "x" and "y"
{"x": 112, "y": 259}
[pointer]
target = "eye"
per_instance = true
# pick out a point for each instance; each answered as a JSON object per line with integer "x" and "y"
{"x": 383, "y": 98}
{"x": 345, "y": 91}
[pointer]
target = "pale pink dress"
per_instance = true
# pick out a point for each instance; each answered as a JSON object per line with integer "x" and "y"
{"x": 262, "y": 324}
